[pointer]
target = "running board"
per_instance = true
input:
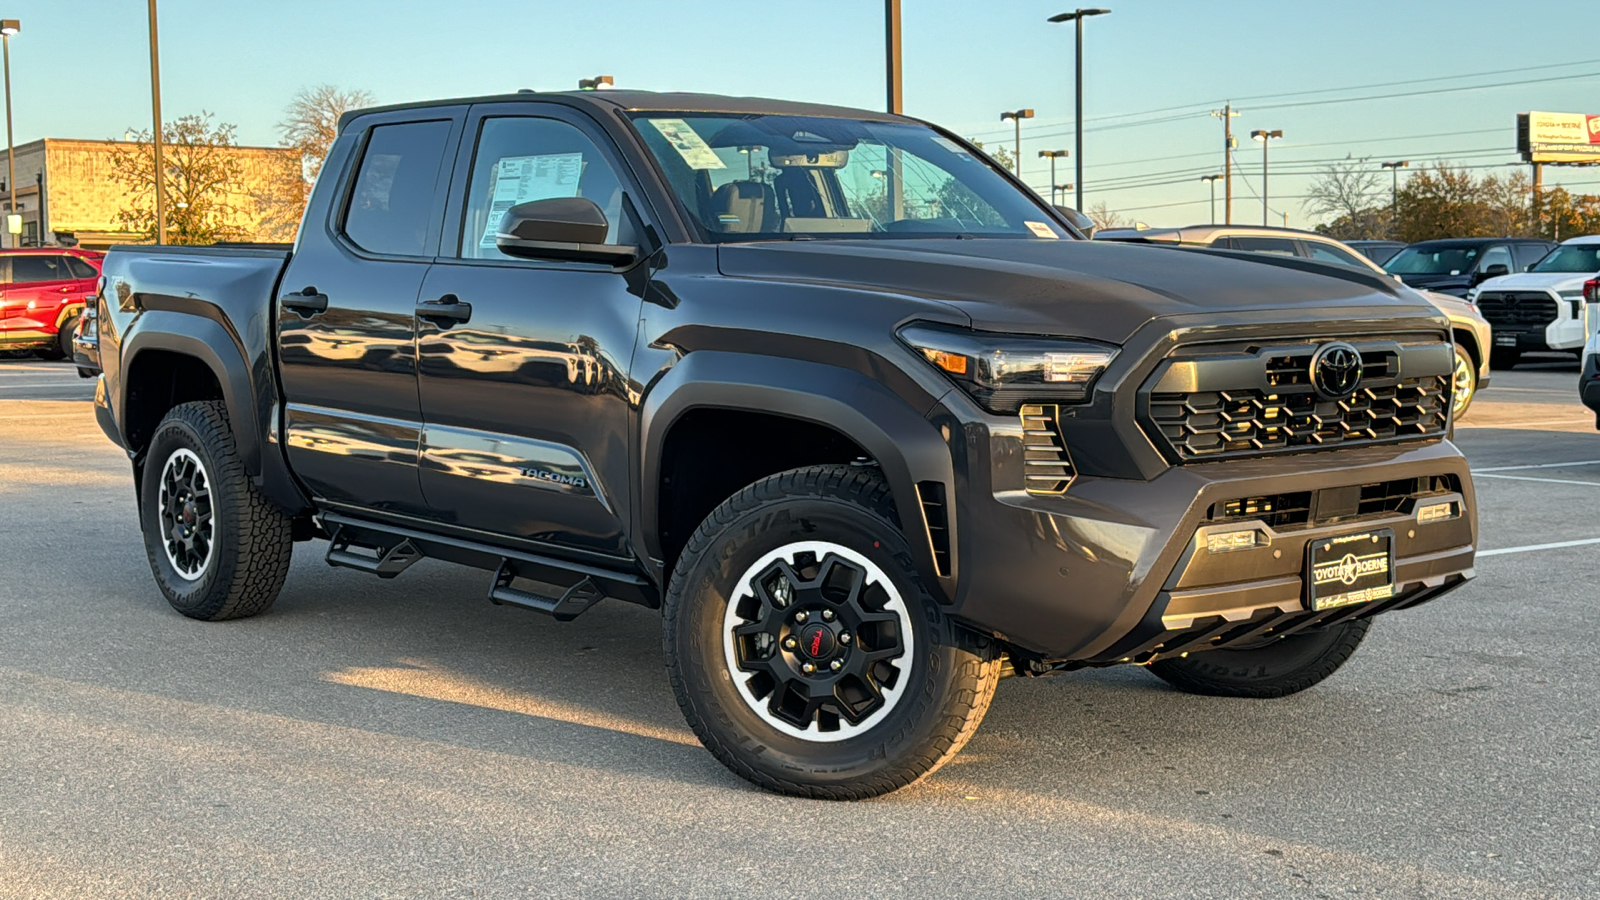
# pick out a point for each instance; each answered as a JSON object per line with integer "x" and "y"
{"x": 386, "y": 549}
{"x": 574, "y": 602}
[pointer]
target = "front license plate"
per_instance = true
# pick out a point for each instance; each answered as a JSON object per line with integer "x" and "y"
{"x": 1505, "y": 340}
{"x": 1351, "y": 568}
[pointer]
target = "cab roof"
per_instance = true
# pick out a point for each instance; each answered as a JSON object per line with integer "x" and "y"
{"x": 650, "y": 101}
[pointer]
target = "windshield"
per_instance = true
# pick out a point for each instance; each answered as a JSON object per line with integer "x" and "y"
{"x": 1435, "y": 259}
{"x": 763, "y": 177}
{"x": 1571, "y": 258}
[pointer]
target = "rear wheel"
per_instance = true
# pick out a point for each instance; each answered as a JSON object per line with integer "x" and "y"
{"x": 804, "y": 649}
{"x": 1504, "y": 357}
{"x": 218, "y": 549}
{"x": 1276, "y": 669}
{"x": 64, "y": 337}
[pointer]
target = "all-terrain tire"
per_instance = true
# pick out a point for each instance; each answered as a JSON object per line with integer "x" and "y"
{"x": 1283, "y": 667}
{"x": 945, "y": 675}
{"x": 247, "y": 557}
{"x": 1463, "y": 383}
{"x": 1504, "y": 357}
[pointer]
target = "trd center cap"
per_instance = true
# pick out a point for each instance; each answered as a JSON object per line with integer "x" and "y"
{"x": 816, "y": 641}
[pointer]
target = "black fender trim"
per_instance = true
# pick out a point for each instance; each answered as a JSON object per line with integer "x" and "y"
{"x": 905, "y": 445}
{"x": 206, "y": 340}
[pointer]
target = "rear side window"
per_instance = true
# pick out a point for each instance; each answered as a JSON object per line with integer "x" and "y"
{"x": 39, "y": 268}
{"x": 1527, "y": 255}
{"x": 393, "y": 200}
{"x": 79, "y": 268}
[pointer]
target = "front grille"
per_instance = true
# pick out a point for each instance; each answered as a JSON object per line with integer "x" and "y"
{"x": 1046, "y": 463}
{"x": 1277, "y": 510}
{"x": 1261, "y": 400}
{"x": 1518, "y": 307}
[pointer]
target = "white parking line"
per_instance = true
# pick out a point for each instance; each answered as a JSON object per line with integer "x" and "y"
{"x": 1563, "y": 465}
{"x": 1531, "y": 478}
{"x": 1531, "y": 547}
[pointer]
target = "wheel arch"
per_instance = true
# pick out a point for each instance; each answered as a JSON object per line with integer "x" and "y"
{"x": 155, "y": 360}
{"x": 891, "y": 432}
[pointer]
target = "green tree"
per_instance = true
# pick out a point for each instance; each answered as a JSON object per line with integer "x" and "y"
{"x": 1445, "y": 202}
{"x": 1563, "y": 215}
{"x": 202, "y": 181}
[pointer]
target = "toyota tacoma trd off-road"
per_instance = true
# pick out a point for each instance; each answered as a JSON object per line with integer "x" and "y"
{"x": 862, "y": 416}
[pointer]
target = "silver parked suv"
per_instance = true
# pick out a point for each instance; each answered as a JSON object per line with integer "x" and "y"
{"x": 1468, "y": 326}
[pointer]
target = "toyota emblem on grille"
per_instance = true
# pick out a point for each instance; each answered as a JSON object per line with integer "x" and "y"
{"x": 1336, "y": 370}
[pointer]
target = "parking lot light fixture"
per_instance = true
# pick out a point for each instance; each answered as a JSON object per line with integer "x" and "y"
{"x": 1062, "y": 189}
{"x": 1052, "y": 155}
{"x": 1213, "y": 179}
{"x": 1017, "y": 115}
{"x": 1076, "y": 17}
{"x": 1265, "y": 137}
{"x": 8, "y": 27}
{"x": 1394, "y": 192}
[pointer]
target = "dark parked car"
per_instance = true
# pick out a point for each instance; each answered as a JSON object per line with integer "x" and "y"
{"x": 1455, "y": 265}
{"x": 1379, "y": 252}
{"x": 864, "y": 417}
{"x": 42, "y": 295}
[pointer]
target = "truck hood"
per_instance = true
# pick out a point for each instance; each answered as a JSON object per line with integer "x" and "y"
{"x": 1103, "y": 291}
{"x": 1571, "y": 282}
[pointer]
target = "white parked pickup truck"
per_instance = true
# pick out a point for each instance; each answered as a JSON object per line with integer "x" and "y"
{"x": 1542, "y": 308}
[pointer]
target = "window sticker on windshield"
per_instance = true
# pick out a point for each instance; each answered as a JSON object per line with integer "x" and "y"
{"x": 519, "y": 179}
{"x": 689, "y": 144}
{"x": 950, "y": 145}
{"x": 1040, "y": 229}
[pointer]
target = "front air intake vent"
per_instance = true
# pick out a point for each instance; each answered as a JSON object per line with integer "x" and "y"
{"x": 1046, "y": 463}
{"x": 936, "y": 517}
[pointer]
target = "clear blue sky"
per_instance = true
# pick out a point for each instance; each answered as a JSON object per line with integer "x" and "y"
{"x": 81, "y": 69}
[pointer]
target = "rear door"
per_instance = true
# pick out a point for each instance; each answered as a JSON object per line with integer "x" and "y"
{"x": 39, "y": 284}
{"x": 526, "y": 396}
{"x": 346, "y": 307}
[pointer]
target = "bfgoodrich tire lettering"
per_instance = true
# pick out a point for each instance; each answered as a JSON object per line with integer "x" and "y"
{"x": 1277, "y": 669}
{"x": 247, "y": 548}
{"x": 945, "y": 678}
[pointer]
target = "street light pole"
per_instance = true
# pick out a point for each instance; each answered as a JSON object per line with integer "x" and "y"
{"x": 1052, "y": 155}
{"x": 1062, "y": 189}
{"x": 1076, "y": 17}
{"x": 1213, "y": 179}
{"x": 155, "y": 115}
{"x": 891, "y": 32}
{"x": 1394, "y": 192}
{"x": 1265, "y": 137}
{"x": 1017, "y": 115}
{"x": 8, "y": 27}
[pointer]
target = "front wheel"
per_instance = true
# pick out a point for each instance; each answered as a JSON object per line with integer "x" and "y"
{"x": 1278, "y": 668}
{"x": 1463, "y": 383}
{"x": 804, "y": 649}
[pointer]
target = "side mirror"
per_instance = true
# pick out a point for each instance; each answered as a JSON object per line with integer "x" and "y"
{"x": 564, "y": 228}
{"x": 1494, "y": 271}
{"x": 1079, "y": 221}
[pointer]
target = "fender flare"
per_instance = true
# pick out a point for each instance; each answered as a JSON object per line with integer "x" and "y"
{"x": 907, "y": 447}
{"x": 68, "y": 311}
{"x": 207, "y": 341}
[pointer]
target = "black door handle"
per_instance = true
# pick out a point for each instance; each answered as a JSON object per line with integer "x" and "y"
{"x": 444, "y": 311}
{"x": 307, "y": 302}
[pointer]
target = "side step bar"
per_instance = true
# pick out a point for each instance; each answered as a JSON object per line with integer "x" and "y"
{"x": 568, "y": 589}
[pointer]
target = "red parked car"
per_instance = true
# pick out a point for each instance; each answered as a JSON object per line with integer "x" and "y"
{"x": 42, "y": 292}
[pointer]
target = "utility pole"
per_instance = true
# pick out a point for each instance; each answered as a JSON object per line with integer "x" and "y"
{"x": 891, "y": 31}
{"x": 1227, "y": 114}
{"x": 1538, "y": 195}
{"x": 155, "y": 113}
{"x": 9, "y": 27}
{"x": 1394, "y": 168}
{"x": 1212, "y": 179}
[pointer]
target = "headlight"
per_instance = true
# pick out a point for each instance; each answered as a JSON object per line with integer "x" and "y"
{"x": 1002, "y": 371}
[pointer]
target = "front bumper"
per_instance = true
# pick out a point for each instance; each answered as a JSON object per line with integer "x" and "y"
{"x": 1115, "y": 570}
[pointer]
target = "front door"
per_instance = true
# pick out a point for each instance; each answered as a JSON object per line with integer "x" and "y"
{"x": 346, "y": 307}
{"x": 523, "y": 371}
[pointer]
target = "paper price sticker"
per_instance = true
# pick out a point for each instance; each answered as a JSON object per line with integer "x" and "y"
{"x": 1040, "y": 229}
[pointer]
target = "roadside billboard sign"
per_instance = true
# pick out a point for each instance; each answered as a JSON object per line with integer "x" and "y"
{"x": 1547, "y": 137}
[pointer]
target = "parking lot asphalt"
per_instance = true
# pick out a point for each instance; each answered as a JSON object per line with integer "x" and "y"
{"x": 406, "y": 738}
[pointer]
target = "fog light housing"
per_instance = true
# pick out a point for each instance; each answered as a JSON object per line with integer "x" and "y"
{"x": 1227, "y": 541}
{"x": 1437, "y": 512}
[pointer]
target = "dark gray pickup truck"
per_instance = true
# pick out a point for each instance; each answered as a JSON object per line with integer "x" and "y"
{"x": 863, "y": 417}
